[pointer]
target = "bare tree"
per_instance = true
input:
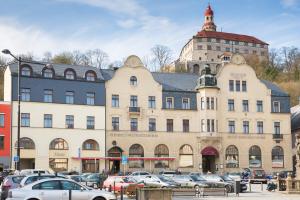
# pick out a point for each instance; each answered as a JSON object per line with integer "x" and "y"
{"x": 97, "y": 58}
{"x": 47, "y": 57}
{"x": 290, "y": 56}
{"x": 274, "y": 58}
{"x": 162, "y": 56}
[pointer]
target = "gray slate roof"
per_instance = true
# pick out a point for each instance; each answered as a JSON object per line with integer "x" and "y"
{"x": 276, "y": 91}
{"x": 59, "y": 69}
{"x": 169, "y": 81}
{"x": 295, "y": 118}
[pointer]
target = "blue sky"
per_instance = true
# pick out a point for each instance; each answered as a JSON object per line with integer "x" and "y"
{"x": 124, "y": 27}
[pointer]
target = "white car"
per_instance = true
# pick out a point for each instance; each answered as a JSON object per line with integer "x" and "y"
{"x": 25, "y": 172}
{"x": 35, "y": 177}
{"x": 58, "y": 189}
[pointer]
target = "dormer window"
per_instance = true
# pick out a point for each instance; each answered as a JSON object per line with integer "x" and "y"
{"x": 48, "y": 73}
{"x": 90, "y": 76}
{"x": 70, "y": 74}
{"x": 133, "y": 81}
{"x": 26, "y": 71}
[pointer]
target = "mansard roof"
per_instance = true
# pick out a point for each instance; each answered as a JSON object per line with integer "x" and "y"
{"x": 295, "y": 118}
{"x": 275, "y": 90}
{"x": 59, "y": 69}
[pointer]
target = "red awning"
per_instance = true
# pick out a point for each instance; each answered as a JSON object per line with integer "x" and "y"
{"x": 129, "y": 158}
{"x": 209, "y": 151}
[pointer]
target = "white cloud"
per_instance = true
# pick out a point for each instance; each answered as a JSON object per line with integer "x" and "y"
{"x": 20, "y": 38}
{"x": 289, "y": 3}
{"x": 128, "y": 23}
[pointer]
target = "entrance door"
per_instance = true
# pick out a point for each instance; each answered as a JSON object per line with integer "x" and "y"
{"x": 27, "y": 163}
{"x": 209, "y": 156}
{"x": 208, "y": 164}
{"x": 114, "y": 164}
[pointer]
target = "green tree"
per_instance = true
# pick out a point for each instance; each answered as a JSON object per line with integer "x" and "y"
{"x": 63, "y": 58}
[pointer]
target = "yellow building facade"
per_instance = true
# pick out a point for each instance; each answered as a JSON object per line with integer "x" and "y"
{"x": 213, "y": 122}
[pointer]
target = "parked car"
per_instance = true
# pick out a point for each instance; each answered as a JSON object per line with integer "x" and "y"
{"x": 168, "y": 173}
{"x": 95, "y": 180}
{"x": 58, "y": 188}
{"x": 154, "y": 181}
{"x": 187, "y": 181}
{"x": 234, "y": 175}
{"x": 258, "y": 176}
{"x": 78, "y": 179}
{"x": 10, "y": 182}
{"x": 116, "y": 182}
{"x": 195, "y": 173}
{"x": 214, "y": 180}
{"x": 212, "y": 183}
{"x": 5, "y": 173}
{"x": 168, "y": 180}
{"x": 139, "y": 173}
{"x": 228, "y": 179}
{"x": 35, "y": 177}
{"x": 26, "y": 172}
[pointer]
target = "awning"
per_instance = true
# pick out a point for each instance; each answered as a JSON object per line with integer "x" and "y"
{"x": 209, "y": 151}
{"x": 129, "y": 158}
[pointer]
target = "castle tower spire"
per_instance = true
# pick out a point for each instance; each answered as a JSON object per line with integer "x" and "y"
{"x": 209, "y": 24}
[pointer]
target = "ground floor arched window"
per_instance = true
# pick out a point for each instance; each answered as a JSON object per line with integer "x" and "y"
{"x": 255, "y": 160}
{"x": 136, "y": 153}
{"x": 186, "y": 156}
{"x": 161, "y": 151}
{"x": 232, "y": 157}
{"x": 58, "y": 164}
{"x": 277, "y": 157}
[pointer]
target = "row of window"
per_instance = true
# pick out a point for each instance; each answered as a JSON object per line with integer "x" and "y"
{"x": 207, "y": 125}
{"x": 151, "y": 102}
{"x": 259, "y": 106}
{"x": 69, "y": 73}
{"x": 217, "y": 40}
{"x": 237, "y": 86}
{"x": 259, "y": 127}
{"x": 229, "y": 49}
{"x": 58, "y": 144}
{"x": 48, "y": 96}
{"x": 48, "y": 121}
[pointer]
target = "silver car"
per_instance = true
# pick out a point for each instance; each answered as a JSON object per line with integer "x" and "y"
{"x": 187, "y": 181}
{"x": 58, "y": 189}
{"x": 154, "y": 181}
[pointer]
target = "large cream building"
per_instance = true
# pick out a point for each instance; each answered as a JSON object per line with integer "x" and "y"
{"x": 62, "y": 116}
{"x": 223, "y": 122}
{"x": 210, "y": 46}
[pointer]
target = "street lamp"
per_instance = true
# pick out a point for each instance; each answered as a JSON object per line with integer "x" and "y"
{"x": 19, "y": 59}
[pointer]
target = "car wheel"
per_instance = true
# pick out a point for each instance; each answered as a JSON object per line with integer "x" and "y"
{"x": 228, "y": 188}
{"x": 99, "y": 198}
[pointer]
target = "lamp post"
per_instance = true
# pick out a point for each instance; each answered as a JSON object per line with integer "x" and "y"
{"x": 19, "y": 59}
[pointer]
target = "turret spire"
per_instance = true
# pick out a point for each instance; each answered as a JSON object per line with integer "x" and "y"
{"x": 209, "y": 24}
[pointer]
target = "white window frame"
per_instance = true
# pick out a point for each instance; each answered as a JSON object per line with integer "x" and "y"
{"x": 279, "y": 106}
{"x": 172, "y": 105}
{"x": 188, "y": 103}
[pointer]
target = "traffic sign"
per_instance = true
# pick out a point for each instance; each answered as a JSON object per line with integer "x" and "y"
{"x": 16, "y": 158}
{"x": 124, "y": 160}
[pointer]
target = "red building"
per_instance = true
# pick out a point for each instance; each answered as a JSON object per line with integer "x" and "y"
{"x": 5, "y": 142}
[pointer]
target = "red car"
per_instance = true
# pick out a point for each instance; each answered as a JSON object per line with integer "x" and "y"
{"x": 116, "y": 182}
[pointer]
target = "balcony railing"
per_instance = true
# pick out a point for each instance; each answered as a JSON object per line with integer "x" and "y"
{"x": 134, "y": 109}
{"x": 277, "y": 136}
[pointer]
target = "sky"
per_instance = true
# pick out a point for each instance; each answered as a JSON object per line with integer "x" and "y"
{"x": 125, "y": 27}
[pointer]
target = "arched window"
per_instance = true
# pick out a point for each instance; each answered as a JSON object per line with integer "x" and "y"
{"x": 232, "y": 157}
{"x": 161, "y": 151}
{"x": 196, "y": 69}
{"x": 48, "y": 73}
{"x": 25, "y": 143}
{"x": 90, "y": 76}
{"x": 186, "y": 156}
{"x": 26, "y": 70}
{"x": 277, "y": 157}
{"x": 59, "y": 144}
{"x": 133, "y": 80}
{"x": 255, "y": 157}
{"x": 70, "y": 74}
{"x": 90, "y": 145}
{"x": 136, "y": 152}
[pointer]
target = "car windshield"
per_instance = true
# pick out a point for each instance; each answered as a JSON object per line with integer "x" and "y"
{"x": 226, "y": 178}
{"x": 17, "y": 179}
{"x": 197, "y": 178}
{"x": 164, "y": 178}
